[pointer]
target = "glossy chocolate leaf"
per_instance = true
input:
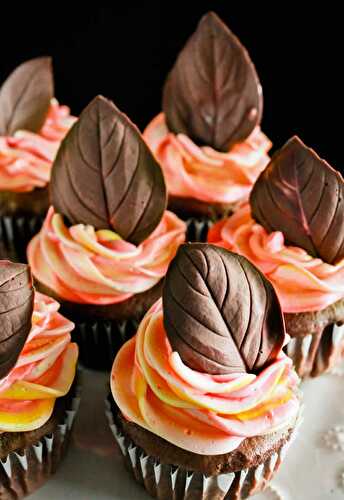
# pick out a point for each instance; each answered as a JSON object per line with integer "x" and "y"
{"x": 25, "y": 96}
{"x": 104, "y": 175}
{"x": 300, "y": 195}
{"x": 212, "y": 93}
{"x": 220, "y": 313}
{"x": 16, "y": 307}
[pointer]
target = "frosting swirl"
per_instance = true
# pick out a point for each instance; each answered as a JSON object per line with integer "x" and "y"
{"x": 204, "y": 173}
{"x": 199, "y": 412}
{"x": 44, "y": 371}
{"x": 26, "y": 158}
{"x": 303, "y": 283}
{"x": 98, "y": 267}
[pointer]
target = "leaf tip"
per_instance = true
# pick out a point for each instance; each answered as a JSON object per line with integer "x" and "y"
{"x": 211, "y": 20}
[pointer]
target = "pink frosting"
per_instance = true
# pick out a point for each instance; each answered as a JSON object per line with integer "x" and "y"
{"x": 98, "y": 267}
{"x": 203, "y": 173}
{"x": 47, "y": 322}
{"x": 44, "y": 371}
{"x": 199, "y": 412}
{"x": 303, "y": 283}
{"x": 26, "y": 158}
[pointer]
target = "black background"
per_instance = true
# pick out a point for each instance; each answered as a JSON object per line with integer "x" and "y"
{"x": 124, "y": 52}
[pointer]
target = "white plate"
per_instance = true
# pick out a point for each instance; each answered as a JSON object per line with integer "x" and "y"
{"x": 312, "y": 470}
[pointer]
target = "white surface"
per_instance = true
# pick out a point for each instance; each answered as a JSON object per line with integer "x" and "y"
{"x": 93, "y": 469}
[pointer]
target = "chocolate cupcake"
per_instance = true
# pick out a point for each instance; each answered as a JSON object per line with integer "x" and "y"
{"x": 38, "y": 394}
{"x": 293, "y": 231}
{"x": 204, "y": 401}
{"x": 32, "y": 125}
{"x": 208, "y": 138}
{"x": 107, "y": 240}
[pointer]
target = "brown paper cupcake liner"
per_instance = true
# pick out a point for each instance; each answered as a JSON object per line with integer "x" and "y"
{"x": 318, "y": 353}
{"x": 16, "y": 233}
{"x": 197, "y": 229}
{"x": 99, "y": 341}
{"x": 169, "y": 482}
{"x": 25, "y": 470}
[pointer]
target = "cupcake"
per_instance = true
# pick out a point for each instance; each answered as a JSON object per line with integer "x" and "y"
{"x": 204, "y": 401}
{"x": 208, "y": 138}
{"x": 107, "y": 240}
{"x": 32, "y": 125}
{"x": 38, "y": 394}
{"x": 293, "y": 231}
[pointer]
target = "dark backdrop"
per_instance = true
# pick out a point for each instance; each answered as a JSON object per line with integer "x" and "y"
{"x": 124, "y": 53}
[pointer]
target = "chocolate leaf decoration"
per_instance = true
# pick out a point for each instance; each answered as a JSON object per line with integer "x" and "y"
{"x": 301, "y": 195}
{"x": 220, "y": 313}
{"x": 16, "y": 307}
{"x": 212, "y": 93}
{"x": 25, "y": 96}
{"x": 105, "y": 175}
